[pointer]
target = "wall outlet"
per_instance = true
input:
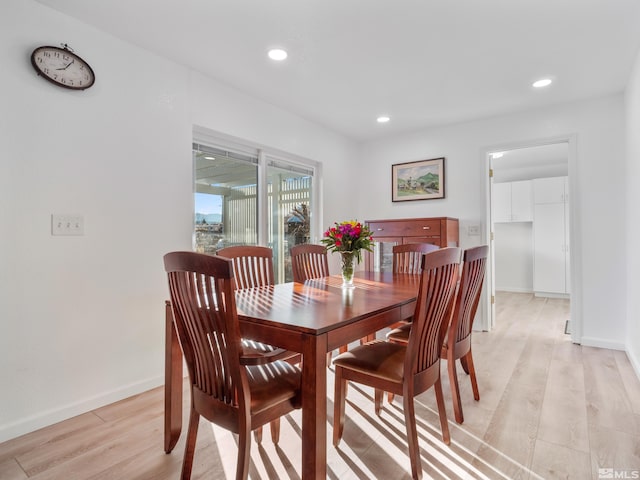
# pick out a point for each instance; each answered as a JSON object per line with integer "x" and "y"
{"x": 473, "y": 229}
{"x": 66, "y": 224}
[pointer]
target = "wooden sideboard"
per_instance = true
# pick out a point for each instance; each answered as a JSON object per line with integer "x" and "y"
{"x": 441, "y": 231}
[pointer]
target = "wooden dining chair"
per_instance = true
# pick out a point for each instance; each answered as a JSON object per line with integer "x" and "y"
{"x": 458, "y": 343}
{"x": 253, "y": 267}
{"x": 406, "y": 369}
{"x": 226, "y": 388}
{"x": 309, "y": 261}
{"x": 407, "y": 257}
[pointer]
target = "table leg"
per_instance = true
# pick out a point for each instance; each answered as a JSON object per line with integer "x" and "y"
{"x": 314, "y": 408}
{"x": 172, "y": 383}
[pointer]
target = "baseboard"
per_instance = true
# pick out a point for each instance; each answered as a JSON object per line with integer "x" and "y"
{"x": 600, "y": 343}
{"x": 44, "y": 419}
{"x": 633, "y": 359}
{"x": 513, "y": 289}
{"x": 552, "y": 295}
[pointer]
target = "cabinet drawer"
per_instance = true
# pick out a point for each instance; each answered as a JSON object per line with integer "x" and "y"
{"x": 433, "y": 239}
{"x": 406, "y": 229}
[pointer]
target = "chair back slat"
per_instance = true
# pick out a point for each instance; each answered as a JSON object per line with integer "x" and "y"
{"x": 407, "y": 258}
{"x": 473, "y": 272}
{"x": 252, "y": 265}
{"x": 433, "y": 308}
{"x": 309, "y": 261}
{"x": 204, "y": 311}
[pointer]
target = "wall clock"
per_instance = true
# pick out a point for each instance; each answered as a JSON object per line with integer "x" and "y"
{"x": 62, "y": 67}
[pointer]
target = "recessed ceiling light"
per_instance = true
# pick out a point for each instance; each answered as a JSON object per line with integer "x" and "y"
{"x": 544, "y": 82}
{"x": 277, "y": 54}
{"x": 383, "y": 119}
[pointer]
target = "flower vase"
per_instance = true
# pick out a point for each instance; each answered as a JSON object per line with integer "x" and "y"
{"x": 347, "y": 269}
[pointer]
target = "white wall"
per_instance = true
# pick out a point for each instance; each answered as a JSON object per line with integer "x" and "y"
{"x": 82, "y": 318}
{"x": 632, "y": 225}
{"x": 599, "y": 252}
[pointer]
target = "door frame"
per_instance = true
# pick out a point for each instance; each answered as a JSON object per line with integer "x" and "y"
{"x": 575, "y": 239}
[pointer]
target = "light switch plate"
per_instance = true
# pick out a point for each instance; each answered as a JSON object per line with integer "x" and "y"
{"x": 473, "y": 229}
{"x": 67, "y": 224}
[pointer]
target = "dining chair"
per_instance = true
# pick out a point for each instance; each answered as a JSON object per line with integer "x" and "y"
{"x": 458, "y": 342}
{"x": 253, "y": 267}
{"x": 309, "y": 261}
{"x": 407, "y": 257}
{"x": 225, "y": 389}
{"x": 406, "y": 369}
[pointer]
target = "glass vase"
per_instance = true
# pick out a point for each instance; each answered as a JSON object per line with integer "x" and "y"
{"x": 348, "y": 259}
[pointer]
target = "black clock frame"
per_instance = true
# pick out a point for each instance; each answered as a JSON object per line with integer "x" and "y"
{"x": 66, "y": 51}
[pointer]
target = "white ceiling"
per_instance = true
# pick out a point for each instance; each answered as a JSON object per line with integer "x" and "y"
{"x": 422, "y": 62}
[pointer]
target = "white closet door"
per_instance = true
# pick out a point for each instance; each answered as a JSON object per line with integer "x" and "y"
{"x": 549, "y": 271}
{"x": 521, "y": 201}
{"x": 549, "y": 190}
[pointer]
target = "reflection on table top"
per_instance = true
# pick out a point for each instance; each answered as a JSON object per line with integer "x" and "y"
{"x": 320, "y": 305}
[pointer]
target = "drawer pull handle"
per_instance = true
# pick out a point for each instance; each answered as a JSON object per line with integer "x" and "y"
{"x": 426, "y": 228}
{"x": 380, "y": 229}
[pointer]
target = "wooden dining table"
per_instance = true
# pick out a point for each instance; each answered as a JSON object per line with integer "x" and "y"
{"x": 313, "y": 318}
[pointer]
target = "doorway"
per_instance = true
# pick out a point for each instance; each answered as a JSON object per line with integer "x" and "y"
{"x": 530, "y": 220}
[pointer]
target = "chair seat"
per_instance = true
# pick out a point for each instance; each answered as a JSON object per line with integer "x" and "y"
{"x": 400, "y": 334}
{"x": 258, "y": 353}
{"x": 384, "y": 360}
{"x": 273, "y": 383}
{"x": 250, "y": 347}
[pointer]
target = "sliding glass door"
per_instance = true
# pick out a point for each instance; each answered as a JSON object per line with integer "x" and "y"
{"x": 289, "y": 211}
{"x": 250, "y": 197}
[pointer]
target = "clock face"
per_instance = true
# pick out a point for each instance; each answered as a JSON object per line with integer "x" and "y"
{"x": 62, "y": 67}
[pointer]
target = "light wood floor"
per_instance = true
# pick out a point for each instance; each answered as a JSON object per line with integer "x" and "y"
{"x": 548, "y": 409}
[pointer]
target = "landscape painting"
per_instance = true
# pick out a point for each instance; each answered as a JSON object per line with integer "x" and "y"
{"x": 421, "y": 180}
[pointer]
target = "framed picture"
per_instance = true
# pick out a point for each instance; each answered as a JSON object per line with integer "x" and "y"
{"x": 421, "y": 180}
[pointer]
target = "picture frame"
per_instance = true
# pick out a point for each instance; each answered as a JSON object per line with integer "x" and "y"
{"x": 420, "y": 180}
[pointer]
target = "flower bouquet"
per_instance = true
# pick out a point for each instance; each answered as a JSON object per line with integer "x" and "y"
{"x": 349, "y": 239}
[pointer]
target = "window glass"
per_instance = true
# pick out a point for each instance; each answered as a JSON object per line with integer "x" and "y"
{"x": 225, "y": 199}
{"x": 289, "y": 210}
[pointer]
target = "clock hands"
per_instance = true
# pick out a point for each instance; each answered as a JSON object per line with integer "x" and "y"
{"x": 68, "y": 65}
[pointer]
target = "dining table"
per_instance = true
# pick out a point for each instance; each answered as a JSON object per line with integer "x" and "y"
{"x": 312, "y": 318}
